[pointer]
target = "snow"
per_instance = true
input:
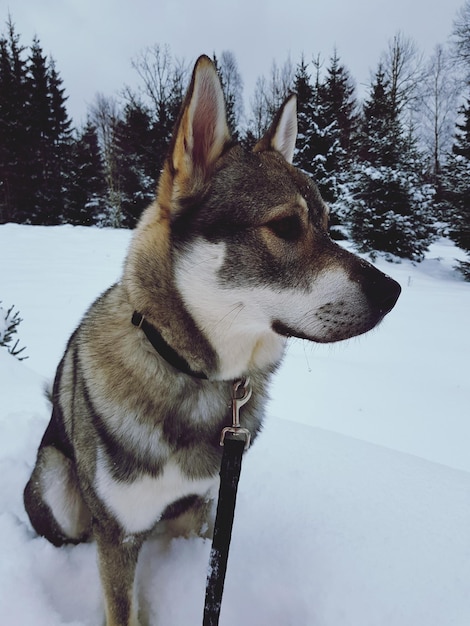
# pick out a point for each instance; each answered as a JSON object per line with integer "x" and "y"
{"x": 353, "y": 505}
{"x": 3, "y": 324}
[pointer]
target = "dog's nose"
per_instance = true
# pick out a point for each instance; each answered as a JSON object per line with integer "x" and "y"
{"x": 390, "y": 298}
{"x": 381, "y": 290}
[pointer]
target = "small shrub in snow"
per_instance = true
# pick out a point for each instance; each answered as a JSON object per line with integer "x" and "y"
{"x": 9, "y": 322}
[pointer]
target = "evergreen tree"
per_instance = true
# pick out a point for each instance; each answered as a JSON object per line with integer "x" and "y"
{"x": 390, "y": 205}
{"x": 136, "y": 161}
{"x": 461, "y": 37}
{"x": 462, "y": 140}
{"x": 34, "y": 135}
{"x": 40, "y": 207}
{"x": 60, "y": 140}
{"x": 87, "y": 185}
{"x": 340, "y": 105}
{"x": 326, "y": 125}
{"x": 49, "y": 139}
{"x": 391, "y": 212}
{"x": 13, "y": 129}
{"x": 337, "y": 96}
{"x": 315, "y": 139}
{"x": 305, "y": 100}
{"x": 457, "y": 186}
{"x": 381, "y": 141}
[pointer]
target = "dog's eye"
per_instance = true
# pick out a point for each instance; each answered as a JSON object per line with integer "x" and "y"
{"x": 288, "y": 228}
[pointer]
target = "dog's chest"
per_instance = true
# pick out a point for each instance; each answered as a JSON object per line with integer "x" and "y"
{"x": 139, "y": 504}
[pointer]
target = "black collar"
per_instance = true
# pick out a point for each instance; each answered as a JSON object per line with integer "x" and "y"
{"x": 164, "y": 350}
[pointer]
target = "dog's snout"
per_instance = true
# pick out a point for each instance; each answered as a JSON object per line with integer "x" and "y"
{"x": 392, "y": 296}
{"x": 381, "y": 290}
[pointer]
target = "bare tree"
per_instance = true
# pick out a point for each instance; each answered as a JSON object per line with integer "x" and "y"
{"x": 269, "y": 95}
{"x": 232, "y": 85}
{"x": 280, "y": 84}
{"x": 259, "y": 119}
{"x": 104, "y": 114}
{"x": 404, "y": 69}
{"x": 440, "y": 91}
{"x": 163, "y": 77}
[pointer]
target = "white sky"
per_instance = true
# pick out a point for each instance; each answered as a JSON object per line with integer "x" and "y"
{"x": 93, "y": 41}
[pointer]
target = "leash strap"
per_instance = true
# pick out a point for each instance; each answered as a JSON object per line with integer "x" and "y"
{"x": 235, "y": 440}
{"x": 229, "y": 477}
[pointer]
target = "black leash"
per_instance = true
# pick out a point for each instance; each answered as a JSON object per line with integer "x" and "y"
{"x": 229, "y": 476}
{"x": 235, "y": 440}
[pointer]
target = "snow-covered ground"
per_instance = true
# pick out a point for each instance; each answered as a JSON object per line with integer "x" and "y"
{"x": 354, "y": 505}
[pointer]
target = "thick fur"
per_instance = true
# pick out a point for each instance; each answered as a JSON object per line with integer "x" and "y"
{"x": 231, "y": 259}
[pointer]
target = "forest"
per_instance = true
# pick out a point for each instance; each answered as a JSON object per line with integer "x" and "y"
{"x": 394, "y": 166}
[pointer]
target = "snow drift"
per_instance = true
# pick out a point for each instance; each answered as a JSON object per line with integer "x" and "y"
{"x": 331, "y": 528}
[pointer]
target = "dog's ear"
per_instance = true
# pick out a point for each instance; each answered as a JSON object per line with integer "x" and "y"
{"x": 282, "y": 133}
{"x": 201, "y": 131}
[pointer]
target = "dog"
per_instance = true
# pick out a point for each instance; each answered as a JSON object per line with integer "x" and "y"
{"x": 231, "y": 259}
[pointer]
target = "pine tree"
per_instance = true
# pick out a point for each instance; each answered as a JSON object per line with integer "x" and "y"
{"x": 461, "y": 37}
{"x": 87, "y": 185}
{"x": 390, "y": 205}
{"x": 326, "y": 122}
{"x": 39, "y": 156}
{"x": 337, "y": 96}
{"x": 13, "y": 129}
{"x": 340, "y": 104}
{"x": 457, "y": 186}
{"x": 462, "y": 140}
{"x": 381, "y": 140}
{"x": 315, "y": 140}
{"x": 60, "y": 142}
{"x": 49, "y": 139}
{"x": 34, "y": 134}
{"x": 304, "y": 155}
{"x": 136, "y": 161}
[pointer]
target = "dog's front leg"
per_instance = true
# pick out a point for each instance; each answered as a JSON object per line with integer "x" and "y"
{"x": 117, "y": 557}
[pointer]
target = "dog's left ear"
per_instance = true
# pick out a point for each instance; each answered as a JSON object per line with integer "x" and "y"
{"x": 282, "y": 133}
{"x": 201, "y": 132}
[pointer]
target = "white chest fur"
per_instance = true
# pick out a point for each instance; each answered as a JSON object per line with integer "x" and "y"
{"x": 138, "y": 505}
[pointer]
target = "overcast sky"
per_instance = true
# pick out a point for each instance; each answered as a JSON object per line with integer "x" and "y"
{"x": 93, "y": 41}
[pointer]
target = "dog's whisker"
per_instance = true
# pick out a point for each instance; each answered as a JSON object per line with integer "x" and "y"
{"x": 209, "y": 259}
{"x": 237, "y": 309}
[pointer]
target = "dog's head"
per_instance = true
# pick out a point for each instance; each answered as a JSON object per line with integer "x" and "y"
{"x": 247, "y": 236}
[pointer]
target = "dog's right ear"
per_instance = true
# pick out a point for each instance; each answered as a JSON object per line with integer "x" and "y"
{"x": 282, "y": 133}
{"x": 200, "y": 136}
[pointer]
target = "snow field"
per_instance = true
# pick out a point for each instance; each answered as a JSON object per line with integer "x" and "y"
{"x": 353, "y": 506}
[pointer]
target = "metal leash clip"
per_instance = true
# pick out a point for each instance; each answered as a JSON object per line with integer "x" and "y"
{"x": 241, "y": 393}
